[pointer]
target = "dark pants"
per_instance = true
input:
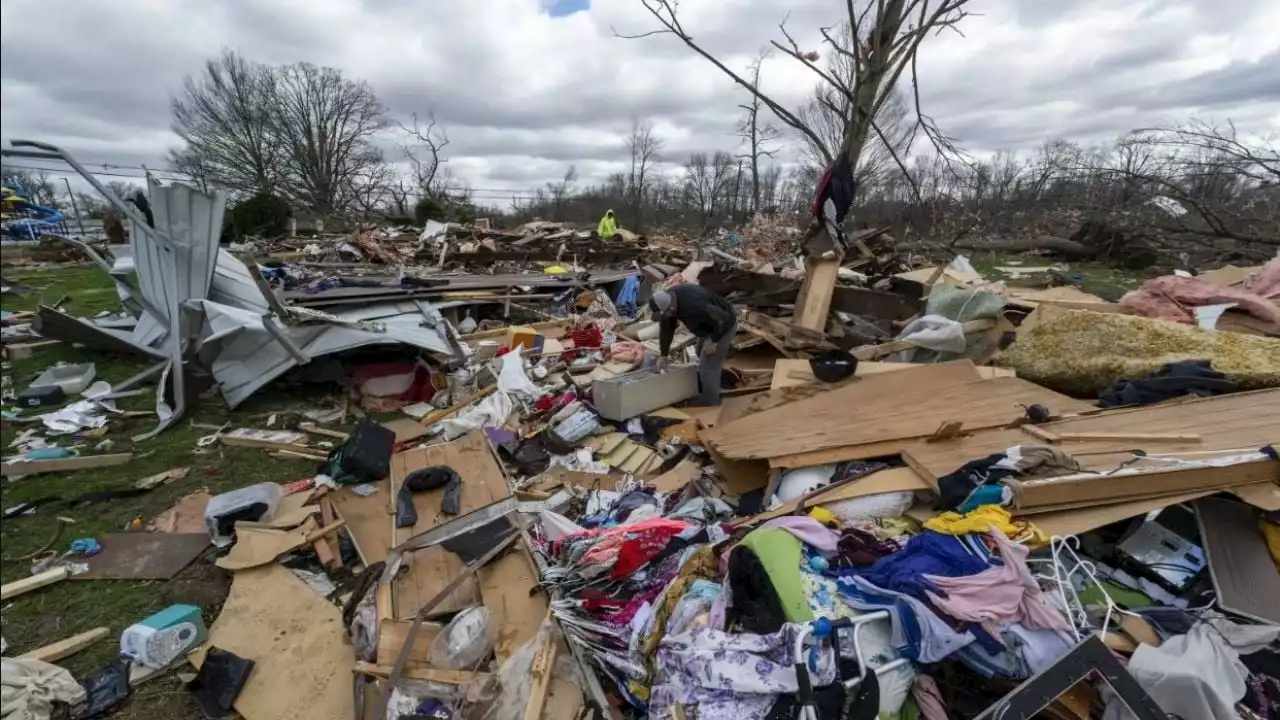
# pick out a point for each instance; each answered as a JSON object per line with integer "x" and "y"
{"x": 709, "y": 367}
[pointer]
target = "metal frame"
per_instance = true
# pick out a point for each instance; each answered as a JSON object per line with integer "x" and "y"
{"x": 1090, "y": 656}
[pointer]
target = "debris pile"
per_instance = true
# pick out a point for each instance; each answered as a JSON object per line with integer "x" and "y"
{"x": 920, "y": 494}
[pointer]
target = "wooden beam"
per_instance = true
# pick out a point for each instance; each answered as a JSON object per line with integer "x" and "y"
{"x": 1150, "y": 437}
{"x": 67, "y": 647}
{"x": 35, "y": 582}
{"x": 448, "y": 677}
{"x": 543, "y": 665}
{"x": 814, "y": 301}
{"x": 1041, "y": 434}
{"x": 70, "y": 464}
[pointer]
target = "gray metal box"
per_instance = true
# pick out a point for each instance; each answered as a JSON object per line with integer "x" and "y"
{"x": 634, "y": 393}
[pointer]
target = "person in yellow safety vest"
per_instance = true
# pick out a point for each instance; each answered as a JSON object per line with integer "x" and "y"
{"x": 608, "y": 227}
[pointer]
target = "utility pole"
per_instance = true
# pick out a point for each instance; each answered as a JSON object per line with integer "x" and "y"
{"x": 72, "y": 197}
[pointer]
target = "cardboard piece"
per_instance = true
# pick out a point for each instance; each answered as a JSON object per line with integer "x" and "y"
{"x": 261, "y": 545}
{"x": 392, "y": 634}
{"x": 406, "y": 429}
{"x": 302, "y": 665}
{"x": 143, "y": 556}
{"x": 185, "y": 516}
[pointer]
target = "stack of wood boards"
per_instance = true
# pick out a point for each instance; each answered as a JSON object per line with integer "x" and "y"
{"x": 881, "y": 414}
{"x": 1220, "y": 426}
{"x": 431, "y": 569}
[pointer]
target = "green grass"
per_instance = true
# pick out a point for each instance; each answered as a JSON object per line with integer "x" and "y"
{"x": 1108, "y": 283}
{"x": 71, "y": 607}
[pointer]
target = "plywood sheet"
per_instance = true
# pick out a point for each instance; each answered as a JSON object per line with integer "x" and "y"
{"x": 1240, "y": 420}
{"x": 1243, "y": 572}
{"x": 143, "y": 556}
{"x": 836, "y": 419}
{"x": 368, "y": 519}
{"x": 509, "y": 589}
{"x": 1078, "y": 520}
{"x": 827, "y": 408}
{"x": 431, "y": 569}
{"x": 789, "y": 373}
{"x": 392, "y": 635}
{"x": 303, "y": 667}
{"x": 406, "y": 429}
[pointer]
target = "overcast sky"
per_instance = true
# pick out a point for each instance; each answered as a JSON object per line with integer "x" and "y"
{"x": 528, "y": 87}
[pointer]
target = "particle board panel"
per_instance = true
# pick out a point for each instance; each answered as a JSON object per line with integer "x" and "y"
{"x": 368, "y": 520}
{"x": 303, "y": 663}
{"x": 431, "y": 569}
{"x": 824, "y": 409}
{"x": 143, "y": 556}
{"x": 1238, "y": 421}
{"x": 509, "y": 589}
{"x": 835, "y": 420}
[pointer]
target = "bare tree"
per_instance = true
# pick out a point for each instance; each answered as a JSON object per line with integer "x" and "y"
{"x": 36, "y": 186}
{"x": 707, "y": 184}
{"x": 756, "y": 131}
{"x": 561, "y": 191}
{"x": 424, "y": 155}
{"x": 645, "y": 149}
{"x": 224, "y": 117}
{"x": 881, "y": 44}
{"x": 325, "y": 124}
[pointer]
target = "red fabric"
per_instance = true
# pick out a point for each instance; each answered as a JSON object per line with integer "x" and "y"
{"x": 587, "y": 337}
{"x": 1173, "y": 298}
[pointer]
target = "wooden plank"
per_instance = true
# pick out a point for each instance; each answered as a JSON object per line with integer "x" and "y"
{"x": 814, "y": 302}
{"x": 509, "y": 589}
{"x": 406, "y": 429}
{"x": 839, "y": 419}
{"x": 392, "y": 634}
{"x": 35, "y": 582}
{"x": 543, "y": 664}
{"x": 262, "y": 438}
{"x": 1121, "y": 484}
{"x": 71, "y": 464}
{"x": 1245, "y": 420}
{"x": 1145, "y": 437}
{"x": 68, "y": 647}
{"x": 440, "y": 675}
{"x": 431, "y": 569}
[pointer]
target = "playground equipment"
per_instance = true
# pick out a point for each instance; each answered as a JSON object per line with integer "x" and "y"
{"x": 25, "y": 220}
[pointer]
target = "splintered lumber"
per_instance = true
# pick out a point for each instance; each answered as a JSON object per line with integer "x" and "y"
{"x": 543, "y": 664}
{"x": 82, "y": 462}
{"x": 814, "y": 301}
{"x": 35, "y": 582}
{"x": 836, "y": 404}
{"x": 68, "y": 647}
{"x": 881, "y": 413}
{"x": 889, "y": 425}
{"x": 431, "y": 569}
{"x": 1225, "y": 425}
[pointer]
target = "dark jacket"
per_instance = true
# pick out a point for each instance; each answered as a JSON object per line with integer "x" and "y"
{"x": 706, "y": 314}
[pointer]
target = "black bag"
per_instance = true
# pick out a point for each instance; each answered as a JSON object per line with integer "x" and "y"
{"x": 365, "y": 456}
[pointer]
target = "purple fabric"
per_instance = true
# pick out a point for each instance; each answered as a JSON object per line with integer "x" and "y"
{"x": 808, "y": 531}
